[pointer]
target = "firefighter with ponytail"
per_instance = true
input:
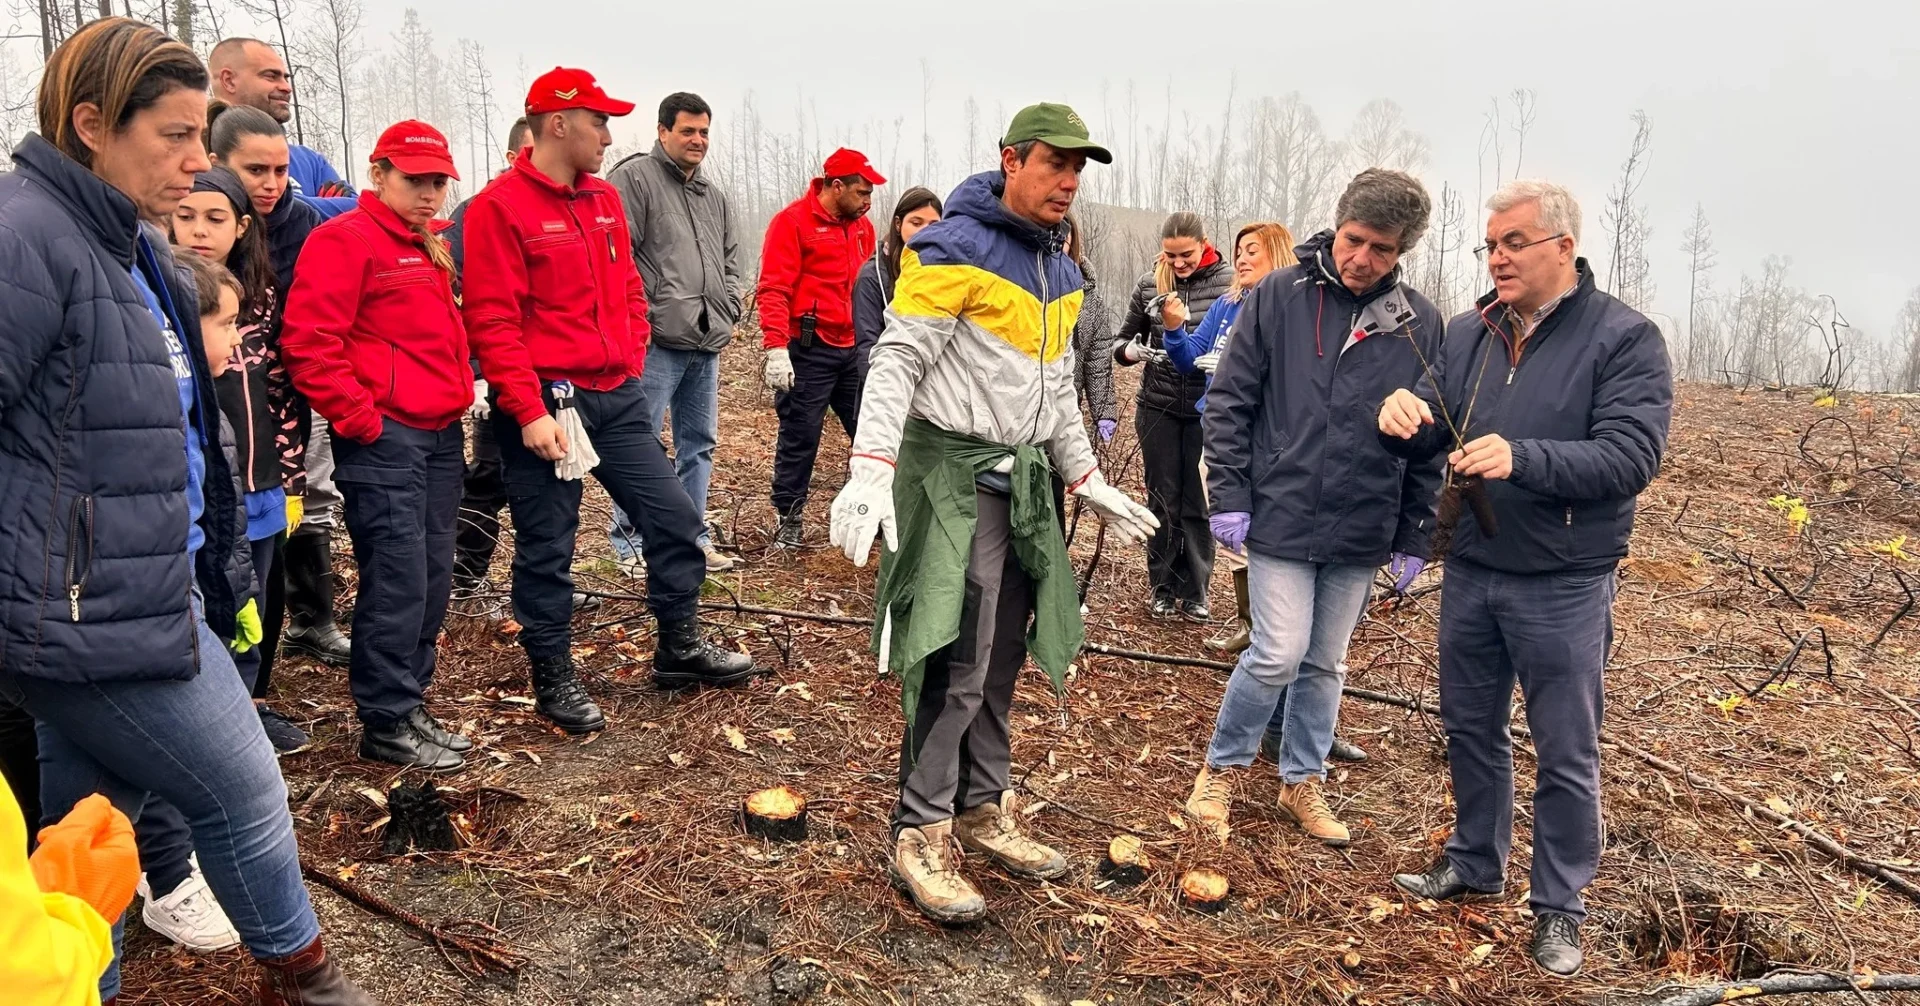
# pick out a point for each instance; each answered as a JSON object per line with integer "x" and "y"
{"x": 373, "y": 337}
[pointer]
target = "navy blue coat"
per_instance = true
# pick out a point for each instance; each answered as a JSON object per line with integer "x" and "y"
{"x": 93, "y": 475}
{"x": 1291, "y": 419}
{"x": 1586, "y": 409}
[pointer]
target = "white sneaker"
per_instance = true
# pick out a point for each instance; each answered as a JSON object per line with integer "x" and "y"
{"x": 189, "y": 916}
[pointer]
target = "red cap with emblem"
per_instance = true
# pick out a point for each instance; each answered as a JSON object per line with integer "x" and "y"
{"x": 843, "y": 162}
{"x": 562, "y": 88}
{"x": 415, "y": 148}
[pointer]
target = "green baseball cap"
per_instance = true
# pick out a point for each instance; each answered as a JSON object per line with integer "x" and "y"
{"x": 1058, "y": 127}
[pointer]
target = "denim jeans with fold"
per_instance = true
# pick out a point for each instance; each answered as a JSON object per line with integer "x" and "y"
{"x": 197, "y": 745}
{"x": 1303, "y": 617}
{"x": 686, "y": 381}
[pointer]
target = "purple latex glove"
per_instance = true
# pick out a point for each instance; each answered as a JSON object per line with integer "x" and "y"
{"x": 1404, "y": 568}
{"x": 1106, "y": 428}
{"x": 1230, "y": 530}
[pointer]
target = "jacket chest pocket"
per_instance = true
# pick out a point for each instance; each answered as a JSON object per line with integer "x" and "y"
{"x": 403, "y": 279}
{"x": 564, "y": 253}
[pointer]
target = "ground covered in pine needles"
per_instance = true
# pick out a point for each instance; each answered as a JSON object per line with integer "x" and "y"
{"x": 1766, "y": 642}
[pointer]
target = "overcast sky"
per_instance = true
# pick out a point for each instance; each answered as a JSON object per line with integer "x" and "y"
{"x": 1797, "y": 125}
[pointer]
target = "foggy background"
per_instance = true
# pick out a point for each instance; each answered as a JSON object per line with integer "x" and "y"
{"x": 1787, "y": 128}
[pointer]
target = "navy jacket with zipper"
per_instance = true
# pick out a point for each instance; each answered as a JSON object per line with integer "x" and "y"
{"x": 1586, "y": 409}
{"x": 1291, "y": 420}
{"x": 93, "y": 475}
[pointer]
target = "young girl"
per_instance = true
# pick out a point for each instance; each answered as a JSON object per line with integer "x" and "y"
{"x": 374, "y": 339}
{"x": 218, "y": 223}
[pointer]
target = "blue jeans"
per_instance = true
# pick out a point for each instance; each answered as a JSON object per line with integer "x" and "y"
{"x": 197, "y": 745}
{"x": 1551, "y": 633}
{"x": 688, "y": 382}
{"x": 1303, "y": 617}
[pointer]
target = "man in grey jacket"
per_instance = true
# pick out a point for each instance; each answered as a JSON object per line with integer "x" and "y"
{"x": 684, "y": 243}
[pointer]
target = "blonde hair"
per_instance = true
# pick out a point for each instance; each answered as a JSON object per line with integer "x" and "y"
{"x": 1274, "y": 238}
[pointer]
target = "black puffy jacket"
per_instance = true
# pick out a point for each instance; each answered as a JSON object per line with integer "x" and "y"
{"x": 93, "y": 475}
{"x": 1163, "y": 388}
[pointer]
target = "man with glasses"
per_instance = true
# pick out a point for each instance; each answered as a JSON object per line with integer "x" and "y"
{"x": 1556, "y": 398}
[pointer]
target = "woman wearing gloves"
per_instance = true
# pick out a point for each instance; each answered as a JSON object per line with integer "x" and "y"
{"x": 1300, "y": 484}
{"x": 374, "y": 338}
{"x": 1092, "y": 340}
{"x": 1258, "y": 249}
{"x": 1181, "y": 288}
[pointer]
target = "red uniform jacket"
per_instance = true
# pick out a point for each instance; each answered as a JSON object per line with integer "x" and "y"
{"x": 550, "y": 289}
{"x": 371, "y": 328}
{"x": 808, "y": 263}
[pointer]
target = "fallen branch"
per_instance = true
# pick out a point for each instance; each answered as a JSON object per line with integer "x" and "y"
{"x": 1905, "y": 607}
{"x": 485, "y": 953}
{"x": 1790, "y": 984}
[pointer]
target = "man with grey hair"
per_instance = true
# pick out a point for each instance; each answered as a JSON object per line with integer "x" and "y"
{"x": 1300, "y": 484}
{"x": 1553, "y": 400}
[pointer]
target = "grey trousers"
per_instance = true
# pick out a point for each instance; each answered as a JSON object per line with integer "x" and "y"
{"x": 957, "y": 754}
{"x": 1551, "y": 633}
{"x": 323, "y": 500}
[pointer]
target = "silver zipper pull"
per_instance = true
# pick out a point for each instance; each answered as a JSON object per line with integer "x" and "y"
{"x": 73, "y": 601}
{"x": 1510, "y": 373}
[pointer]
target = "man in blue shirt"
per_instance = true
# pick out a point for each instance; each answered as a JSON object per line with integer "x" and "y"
{"x": 247, "y": 71}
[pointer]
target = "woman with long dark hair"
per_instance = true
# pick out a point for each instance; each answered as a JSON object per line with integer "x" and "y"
{"x": 253, "y": 145}
{"x": 373, "y": 337}
{"x": 125, "y": 515}
{"x": 873, "y": 288}
{"x": 1174, "y": 295}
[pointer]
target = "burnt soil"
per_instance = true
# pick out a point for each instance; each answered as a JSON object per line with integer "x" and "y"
{"x": 1759, "y": 651}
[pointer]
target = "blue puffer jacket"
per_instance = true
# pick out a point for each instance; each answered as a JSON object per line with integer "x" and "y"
{"x": 93, "y": 475}
{"x": 1586, "y": 409}
{"x": 1291, "y": 420}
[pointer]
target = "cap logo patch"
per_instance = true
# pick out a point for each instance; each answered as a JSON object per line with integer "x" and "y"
{"x": 1073, "y": 118}
{"x": 567, "y": 95}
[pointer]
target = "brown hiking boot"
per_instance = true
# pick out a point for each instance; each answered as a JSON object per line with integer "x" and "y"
{"x": 1306, "y": 805}
{"x": 308, "y": 978}
{"x": 991, "y": 830}
{"x": 926, "y": 866}
{"x": 1212, "y": 800}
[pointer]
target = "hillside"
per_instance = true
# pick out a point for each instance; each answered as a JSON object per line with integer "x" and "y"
{"x": 1766, "y": 642}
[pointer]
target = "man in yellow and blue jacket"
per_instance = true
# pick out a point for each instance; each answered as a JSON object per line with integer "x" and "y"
{"x": 969, "y": 410}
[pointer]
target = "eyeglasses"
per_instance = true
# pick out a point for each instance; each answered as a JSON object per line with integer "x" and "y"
{"x": 1512, "y": 246}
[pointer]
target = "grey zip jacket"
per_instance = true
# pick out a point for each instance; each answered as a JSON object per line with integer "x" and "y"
{"x": 684, "y": 242}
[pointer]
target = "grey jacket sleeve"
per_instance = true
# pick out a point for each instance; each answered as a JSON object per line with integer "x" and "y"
{"x": 735, "y": 262}
{"x": 1632, "y": 408}
{"x": 633, "y": 198}
{"x": 1234, "y": 404}
{"x": 1071, "y": 451}
{"x": 1134, "y": 325}
{"x": 869, "y": 307}
{"x": 1092, "y": 342}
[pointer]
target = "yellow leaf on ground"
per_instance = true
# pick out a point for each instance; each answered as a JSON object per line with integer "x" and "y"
{"x": 1779, "y": 806}
{"x": 1480, "y": 952}
{"x": 1753, "y": 870}
{"x": 734, "y": 736}
{"x": 781, "y": 735}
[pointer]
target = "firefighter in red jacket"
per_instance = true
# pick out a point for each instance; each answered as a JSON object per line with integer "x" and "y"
{"x": 813, "y": 252}
{"x": 373, "y": 337}
{"x": 555, "y": 308}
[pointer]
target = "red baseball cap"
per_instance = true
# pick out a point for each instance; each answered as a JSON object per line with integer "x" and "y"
{"x": 562, "y": 88}
{"x": 844, "y": 162}
{"x": 415, "y": 148}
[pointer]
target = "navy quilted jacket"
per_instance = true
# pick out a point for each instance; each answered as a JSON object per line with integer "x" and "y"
{"x": 95, "y": 579}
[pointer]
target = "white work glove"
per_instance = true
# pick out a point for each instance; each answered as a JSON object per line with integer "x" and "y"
{"x": 580, "y": 457}
{"x": 479, "y": 409}
{"x": 1206, "y": 362}
{"x": 864, "y": 508}
{"x": 779, "y": 370}
{"x": 1133, "y": 351}
{"x": 1128, "y": 519}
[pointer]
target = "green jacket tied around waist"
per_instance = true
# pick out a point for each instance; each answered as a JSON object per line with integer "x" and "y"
{"x": 923, "y": 586}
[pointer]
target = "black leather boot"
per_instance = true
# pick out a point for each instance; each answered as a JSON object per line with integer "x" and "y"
{"x": 792, "y": 532}
{"x": 437, "y": 732}
{"x": 401, "y": 743}
{"x": 562, "y": 699}
{"x": 682, "y": 658}
{"x": 311, "y": 631}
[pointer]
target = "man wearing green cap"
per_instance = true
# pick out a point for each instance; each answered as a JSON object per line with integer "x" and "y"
{"x": 968, "y": 412}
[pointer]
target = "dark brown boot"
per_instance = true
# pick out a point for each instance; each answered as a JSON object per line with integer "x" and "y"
{"x": 308, "y": 978}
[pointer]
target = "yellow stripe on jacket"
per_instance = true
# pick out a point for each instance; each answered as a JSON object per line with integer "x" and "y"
{"x": 53, "y": 947}
{"x": 995, "y": 304}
